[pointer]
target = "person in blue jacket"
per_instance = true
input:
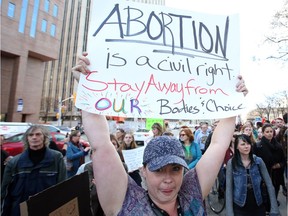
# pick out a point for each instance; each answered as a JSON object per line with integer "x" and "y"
{"x": 244, "y": 175}
{"x": 34, "y": 170}
{"x": 75, "y": 154}
{"x": 192, "y": 150}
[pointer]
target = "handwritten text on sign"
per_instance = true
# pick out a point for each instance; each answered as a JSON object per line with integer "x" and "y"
{"x": 158, "y": 62}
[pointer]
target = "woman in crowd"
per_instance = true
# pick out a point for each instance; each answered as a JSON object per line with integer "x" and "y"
{"x": 272, "y": 154}
{"x": 157, "y": 130}
{"x": 129, "y": 143}
{"x": 114, "y": 141}
{"x": 191, "y": 149}
{"x": 244, "y": 173}
{"x": 75, "y": 155}
{"x": 248, "y": 130}
{"x": 168, "y": 189}
{"x": 120, "y": 133}
{"x": 254, "y": 129}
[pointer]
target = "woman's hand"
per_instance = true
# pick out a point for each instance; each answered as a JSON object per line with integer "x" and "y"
{"x": 240, "y": 86}
{"x": 82, "y": 66}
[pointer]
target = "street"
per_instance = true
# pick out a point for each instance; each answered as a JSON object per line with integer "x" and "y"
{"x": 283, "y": 206}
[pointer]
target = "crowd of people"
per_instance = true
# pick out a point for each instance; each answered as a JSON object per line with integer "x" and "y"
{"x": 178, "y": 169}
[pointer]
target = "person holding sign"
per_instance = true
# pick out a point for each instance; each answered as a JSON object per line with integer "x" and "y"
{"x": 129, "y": 143}
{"x": 169, "y": 191}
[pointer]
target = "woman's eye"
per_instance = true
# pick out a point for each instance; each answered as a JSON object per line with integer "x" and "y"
{"x": 159, "y": 170}
{"x": 176, "y": 168}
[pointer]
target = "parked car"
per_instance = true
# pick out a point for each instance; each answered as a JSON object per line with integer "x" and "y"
{"x": 65, "y": 129}
{"x": 53, "y": 128}
{"x": 141, "y": 135}
{"x": 14, "y": 145}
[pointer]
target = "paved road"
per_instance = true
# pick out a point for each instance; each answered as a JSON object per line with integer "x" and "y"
{"x": 283, "y": 206}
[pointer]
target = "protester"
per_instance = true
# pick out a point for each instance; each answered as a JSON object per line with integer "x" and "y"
{"x": 191, "y": 149}
{"x": 76, "y": 152}
{"x": 128, "y": 144}
{"x": 114, "y": 141}
{"x": 157, "y": 130}
{"x": 163, "y": 167}
{"x": 202, "y": 136}
{"x": 272, "y": 154}
{"x": 248, "y": 130}
{"x": 120, "y": 133}
{"x": 4, "y": 157}
{"x": 253, "y": 129}
{"x": 34, "y": 170}
{"x": 53, "y": 145}
{"x": 244, "y": 173}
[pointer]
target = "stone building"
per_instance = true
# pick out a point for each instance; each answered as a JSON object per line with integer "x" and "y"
{"x": 30, "y": 37}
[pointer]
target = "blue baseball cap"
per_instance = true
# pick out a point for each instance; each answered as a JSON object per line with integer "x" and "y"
{"x": 163, "y": 150}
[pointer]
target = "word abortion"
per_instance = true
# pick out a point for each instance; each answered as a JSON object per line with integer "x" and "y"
{"x": 167, "y": 30}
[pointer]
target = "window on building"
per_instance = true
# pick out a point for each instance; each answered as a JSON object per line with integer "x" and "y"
{"x": 44, "y": 25}
{"x": 53, "y": 30}
{"x": 11, "y": 10}
{"x": 23, "y": 15}
{"x": 55, "y": 10}
{"x": 34, "y": 18}
{"x": 46, "y": 6}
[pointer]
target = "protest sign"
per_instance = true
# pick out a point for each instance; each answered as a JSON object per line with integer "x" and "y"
{"x": 160, "y": 62}
{"x": 71, "y": 197}
{"x": 133, "y": 158}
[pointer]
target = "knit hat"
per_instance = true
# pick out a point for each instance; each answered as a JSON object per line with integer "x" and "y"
{"x": 161, "y": 151}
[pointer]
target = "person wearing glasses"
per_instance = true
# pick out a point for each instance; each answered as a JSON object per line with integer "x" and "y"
{"x": 191, "y": 149}
{"x": 76, "y": 152}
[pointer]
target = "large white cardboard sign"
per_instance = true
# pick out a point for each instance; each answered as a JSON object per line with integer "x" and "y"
{"x": 158, "y": 62}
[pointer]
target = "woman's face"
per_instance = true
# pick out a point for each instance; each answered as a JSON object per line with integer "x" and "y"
{"x": 76, "y": 138}
{"x": 128, "y": 138}
{"x": 243, "y": 147}
{"x": 247, "y": 130}
{"x": 268, "y": 133}
{"x": 164, "y": 184}
{"x": 114, "y": 142}
{"x": 155, "y": 131}
{"x": 119, "y": 134}
{"x": 183, "y": 136}
{"x": 260, "y": 134}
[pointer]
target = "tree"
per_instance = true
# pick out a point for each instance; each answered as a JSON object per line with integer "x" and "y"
{"x": 279, "y": 34}
{"x": 275, "y": 105}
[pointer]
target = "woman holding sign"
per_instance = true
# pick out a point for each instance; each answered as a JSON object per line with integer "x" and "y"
{"x": 168, "y": 189}
{"x": 129, "y": 143}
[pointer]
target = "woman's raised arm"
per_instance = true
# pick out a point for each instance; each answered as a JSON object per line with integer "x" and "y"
{"x": 110, "y": 176}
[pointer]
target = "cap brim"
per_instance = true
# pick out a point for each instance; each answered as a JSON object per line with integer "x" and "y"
{"x": 159, "y": 162}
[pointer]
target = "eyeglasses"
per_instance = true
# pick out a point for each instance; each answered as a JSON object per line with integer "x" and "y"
{"x": 182, "y": 135}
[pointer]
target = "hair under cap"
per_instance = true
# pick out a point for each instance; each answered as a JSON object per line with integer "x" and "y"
{"x": 161, "y": 151}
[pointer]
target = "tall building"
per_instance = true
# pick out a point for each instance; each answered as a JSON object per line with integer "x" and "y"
{"x": 30, "y": 36}
{"x": 59, "y": 85}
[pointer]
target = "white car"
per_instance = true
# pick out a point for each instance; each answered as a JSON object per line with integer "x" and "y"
{"x": 141, "y": 135}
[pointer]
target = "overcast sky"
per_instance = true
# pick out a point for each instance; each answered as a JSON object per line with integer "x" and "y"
{"x": 262, "y": 78}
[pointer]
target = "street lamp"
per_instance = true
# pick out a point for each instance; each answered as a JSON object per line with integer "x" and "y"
{"x": 60, "y": 108}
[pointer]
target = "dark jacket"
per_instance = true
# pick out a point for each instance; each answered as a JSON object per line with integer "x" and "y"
{"x": 22, "y": 178}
